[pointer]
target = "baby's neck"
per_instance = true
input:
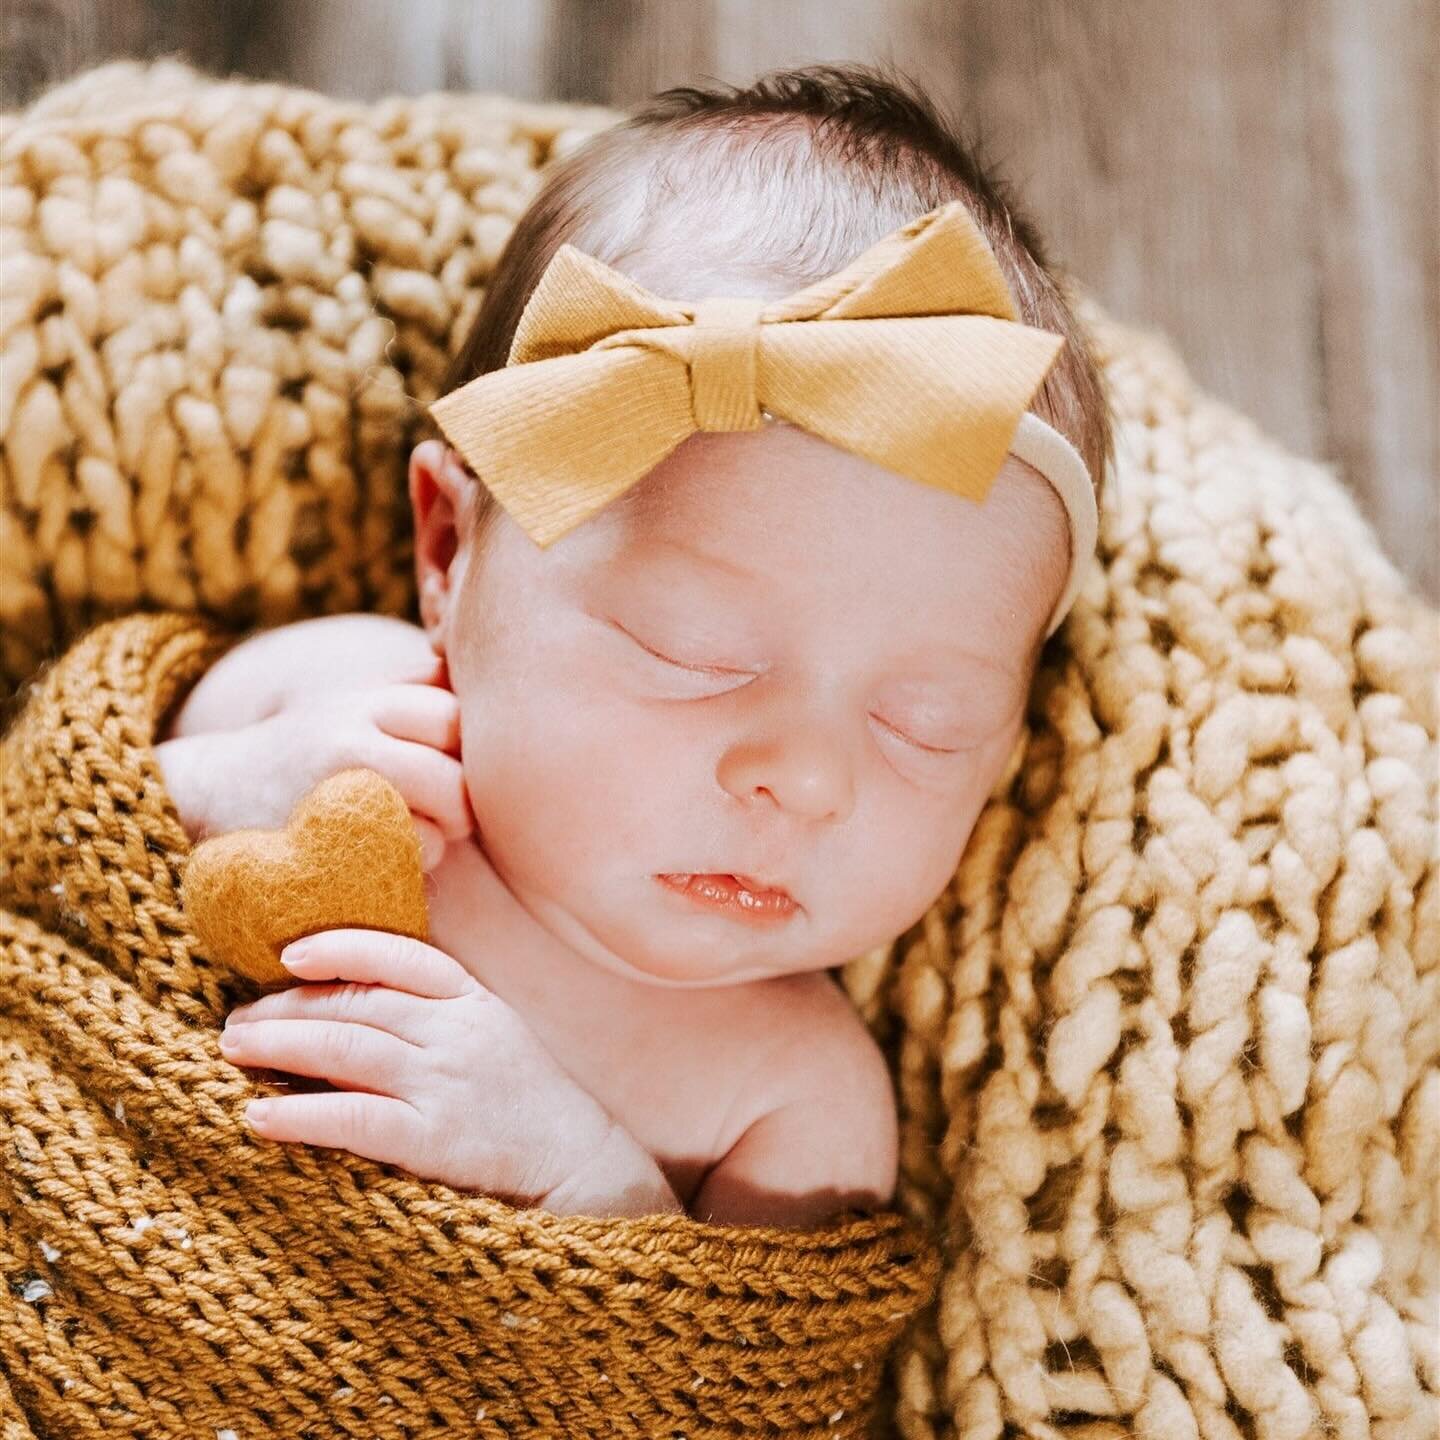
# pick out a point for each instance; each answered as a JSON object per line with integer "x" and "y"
{"x": 475, "y": 917}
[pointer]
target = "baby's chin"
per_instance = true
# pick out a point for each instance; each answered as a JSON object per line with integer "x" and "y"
{"x": 709, "y": 979}
{"x": 683, "y": 967}
{"x": 680, "y": 957}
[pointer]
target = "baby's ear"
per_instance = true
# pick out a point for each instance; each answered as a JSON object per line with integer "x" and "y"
{"x": 438, "y": 489}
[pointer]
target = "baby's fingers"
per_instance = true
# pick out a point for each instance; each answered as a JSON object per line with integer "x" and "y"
{"x": 355, "y": 1056}
{"x": 378, "y": 957}
{"x": 432, "y": 784}
{"x": 411, "y": 1017}
{"x": 375, "y": 1126}
{"x": 426, "y": 714}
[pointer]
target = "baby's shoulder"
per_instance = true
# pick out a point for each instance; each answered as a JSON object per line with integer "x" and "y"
{"x": 822, "y": 1132}
{"x": 816, "y": 1043}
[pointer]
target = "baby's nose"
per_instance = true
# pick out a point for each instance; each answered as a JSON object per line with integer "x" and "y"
{"x": 806, "y": 771}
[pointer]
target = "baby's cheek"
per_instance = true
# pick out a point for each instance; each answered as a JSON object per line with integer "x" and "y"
{"x": 541, "y": 773}
{"x": 929, "y": 841}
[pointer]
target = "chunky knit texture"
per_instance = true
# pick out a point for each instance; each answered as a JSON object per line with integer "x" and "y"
{"x": 1168, "y": 1050}
{"x": 224, "y": 304}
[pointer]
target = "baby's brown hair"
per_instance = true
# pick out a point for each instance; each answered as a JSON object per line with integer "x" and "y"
{"x": 817, "y": 164}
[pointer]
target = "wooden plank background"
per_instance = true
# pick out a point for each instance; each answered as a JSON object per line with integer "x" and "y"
{"x": 1258, "y": 178}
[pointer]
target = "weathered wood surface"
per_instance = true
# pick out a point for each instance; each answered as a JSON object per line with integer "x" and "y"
{"x": 1260, "y": 180}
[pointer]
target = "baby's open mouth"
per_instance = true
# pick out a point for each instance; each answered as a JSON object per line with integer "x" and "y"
{"x": 738, "y": 894}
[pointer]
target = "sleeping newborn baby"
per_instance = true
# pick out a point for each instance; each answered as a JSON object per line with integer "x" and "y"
{"x": 669, "y": 768}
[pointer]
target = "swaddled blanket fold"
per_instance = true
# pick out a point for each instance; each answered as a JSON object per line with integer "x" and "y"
{"x": 168, "y": 1275}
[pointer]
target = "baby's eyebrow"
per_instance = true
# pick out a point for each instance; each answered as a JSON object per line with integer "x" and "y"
{"x": 960, "y": 655}
{"x": 718, "y": 562}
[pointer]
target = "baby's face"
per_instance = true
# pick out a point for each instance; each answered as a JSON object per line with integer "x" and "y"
{"x": 771, "y": 659}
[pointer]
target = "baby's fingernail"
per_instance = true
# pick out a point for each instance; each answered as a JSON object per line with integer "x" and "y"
{"x": 292, "y": 954}
{"x": 256, "y": 1111}
{"x": 237, "y": 1014}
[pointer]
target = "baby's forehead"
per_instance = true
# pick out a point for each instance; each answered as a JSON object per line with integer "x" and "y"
{"x": 777, "y": 529}
{"x": 782, "y": 492}
{"x": 721, "y": 496}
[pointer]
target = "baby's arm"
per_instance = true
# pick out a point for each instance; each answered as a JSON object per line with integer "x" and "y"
{"x": 827, "y": 1143}
{"x": 619, "y": 1178}
{"x": 275, "y": 668}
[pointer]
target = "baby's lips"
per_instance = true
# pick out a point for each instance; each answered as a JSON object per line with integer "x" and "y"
{"x": 752, "y": 883}
{"x": 760, "y": 887}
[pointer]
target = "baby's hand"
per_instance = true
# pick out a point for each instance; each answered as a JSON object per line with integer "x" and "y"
{"x": 252, "y": 778}
{"x": 436, "y": 1073}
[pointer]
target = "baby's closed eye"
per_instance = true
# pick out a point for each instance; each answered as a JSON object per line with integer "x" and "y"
{"x": 941, "y": 728}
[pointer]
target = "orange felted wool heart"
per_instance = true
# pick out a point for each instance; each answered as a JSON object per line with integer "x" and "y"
{"x": 349, "y": 856}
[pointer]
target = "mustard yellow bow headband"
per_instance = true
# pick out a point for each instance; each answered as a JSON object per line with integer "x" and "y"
{"x": 910, "y": 356}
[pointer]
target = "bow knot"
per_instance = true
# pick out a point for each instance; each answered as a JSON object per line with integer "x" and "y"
{"x": 724, "y": 363}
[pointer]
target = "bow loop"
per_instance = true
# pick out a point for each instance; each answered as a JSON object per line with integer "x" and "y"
{"x": 725, "y": 362}
{"x": 577, "y": 303}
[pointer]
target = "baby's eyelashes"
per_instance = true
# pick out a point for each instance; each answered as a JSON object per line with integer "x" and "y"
{"x": 921, "y": 745}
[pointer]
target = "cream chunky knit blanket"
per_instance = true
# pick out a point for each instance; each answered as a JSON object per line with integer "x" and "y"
{"x": 1168, "y": 1052}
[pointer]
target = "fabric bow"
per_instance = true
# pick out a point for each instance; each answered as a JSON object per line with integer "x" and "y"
{"x": 910, "y": 356}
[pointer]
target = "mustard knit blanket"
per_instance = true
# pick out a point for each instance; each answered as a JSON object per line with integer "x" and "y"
{"x": 1167, "y": 1052}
